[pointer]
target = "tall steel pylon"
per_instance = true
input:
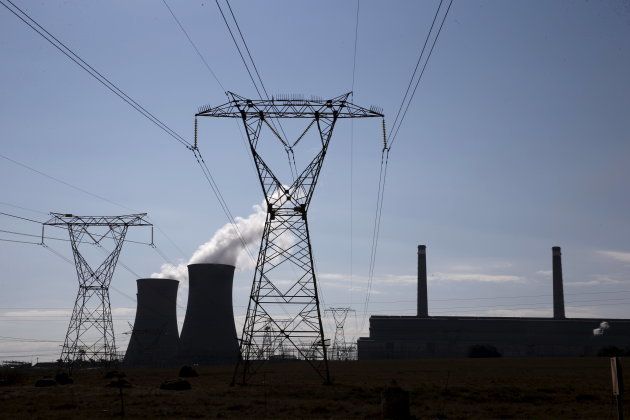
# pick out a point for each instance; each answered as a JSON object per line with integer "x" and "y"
{"x": 90, "y": 335}
{"x": 340, "y": 350}
{"x": 286, "y": 243}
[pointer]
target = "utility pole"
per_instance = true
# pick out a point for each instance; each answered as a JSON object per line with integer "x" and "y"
{"x": 90, "y": 333}
{"x": 617, "y": 384}
{"x": 284, "y": 280}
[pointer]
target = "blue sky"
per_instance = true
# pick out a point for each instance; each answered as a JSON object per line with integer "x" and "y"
{"x": 518, "y": 139}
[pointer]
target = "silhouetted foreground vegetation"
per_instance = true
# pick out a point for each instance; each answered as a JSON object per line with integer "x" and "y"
{"x": 464, "y": 388}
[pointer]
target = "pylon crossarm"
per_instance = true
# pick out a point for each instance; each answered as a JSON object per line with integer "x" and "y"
{"x": 285, "y": 107}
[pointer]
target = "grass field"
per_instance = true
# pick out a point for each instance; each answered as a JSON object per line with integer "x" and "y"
{"x": 439, "y": 388}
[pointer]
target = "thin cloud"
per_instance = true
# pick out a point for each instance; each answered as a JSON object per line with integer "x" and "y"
{"x": 620, "y": 256}
{"x": 597, "y": 280}
{"x": 475, "y": 277}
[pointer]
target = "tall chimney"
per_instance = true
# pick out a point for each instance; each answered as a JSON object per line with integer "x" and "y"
{"x": 423, "y": 306}
{"x": 558, "y": 292}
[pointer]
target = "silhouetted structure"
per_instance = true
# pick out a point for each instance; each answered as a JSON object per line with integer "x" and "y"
{"x": 90, "y": 336}
{"x": 558, "y": 291}
{"x": 209, "y": 335}
{"x": 285, "y": 251}
{"x": 154, "y": 338}
{"x": 423, "y": 297}
{"x": 406, "y": 337}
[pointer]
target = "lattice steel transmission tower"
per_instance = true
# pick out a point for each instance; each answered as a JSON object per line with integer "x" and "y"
{"x": 90, "y": 335}
{"x": 340, "y": 350}
{"x": 284, "y": 282}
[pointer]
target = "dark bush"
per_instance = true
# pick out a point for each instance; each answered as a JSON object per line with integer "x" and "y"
{"x": 188, "y": 372}
{"x": 483, "y": 350}
{"x": 114, "y": 374}
{"x": 11, "y": 376}
{"x": 176, "y": 385}
{"x": 395, "y": 402}
{"x": 612, "y": 351}
{"x": 43, "y": 382}
{"x": 119, "y": 383}
{"x": 62, "y": 378}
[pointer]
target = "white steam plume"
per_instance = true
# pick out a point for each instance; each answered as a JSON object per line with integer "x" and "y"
{"x": 225, "y": 246}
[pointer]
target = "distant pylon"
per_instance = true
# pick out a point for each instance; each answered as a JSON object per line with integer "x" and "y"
{"x": 340, "y": 350}
{"x": 90, "y": 335}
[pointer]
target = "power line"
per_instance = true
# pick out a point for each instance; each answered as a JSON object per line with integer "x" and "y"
{"x": 22, "y": 208}
{"x": 387, "y": 143}
{"x": 393, "y": 138}
{"x": 19, "y": 242}
{"x": 12, "y": 232}
{"x": 20, "y": 217}
{"x": 65, "y": 50}
{"x": 24, "y": 17}
{"x": 194, "y": 45}
{"x": 84, "y": 191}
{"x": 413, "y": 75}
{"x": 247, "y": 49}
{"x": 238, "y": 48}
{"x": 288, "y": 150}
{"x": 354, "y": 67}
{"x": 28, "y": 340}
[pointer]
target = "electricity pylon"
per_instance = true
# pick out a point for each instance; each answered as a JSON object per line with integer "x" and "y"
{"x": 286, "y": 238}
{"x": 340, "y": 350}
{"x": 90, "y": 333}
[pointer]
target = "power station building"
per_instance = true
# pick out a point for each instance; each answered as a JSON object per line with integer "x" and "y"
{"x": 420, "y": 336}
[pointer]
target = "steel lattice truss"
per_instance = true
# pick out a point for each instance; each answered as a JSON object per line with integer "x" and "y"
{"x": 340, "y": 350}
{"x": 286, "y": 238}
{"x": 90, "y": 335}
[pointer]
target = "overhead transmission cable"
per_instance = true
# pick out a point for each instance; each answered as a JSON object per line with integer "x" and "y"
{"x": 288, "y": 149}
{"x": 197, "y": 154}
{"x": 397, "y": 128}
{"x": 354, "y": 71}
{"x": 387, "y": 143}
{"x": 55, "y": 42}
{"x": 24, "y": 17}
{"x": 194, "y": 46}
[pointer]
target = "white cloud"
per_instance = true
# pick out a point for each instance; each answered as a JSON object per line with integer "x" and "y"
{"x": 615, "y": 255}
{"x": 475, "y": 277}
{"x": 597, "y": 280}
{"x": 343, "y": 280}
{"x": 544, "y": 273}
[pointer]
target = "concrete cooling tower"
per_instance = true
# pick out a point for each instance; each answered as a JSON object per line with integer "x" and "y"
{"x": 154, "y": 339}
{"x": 209, "y": 335}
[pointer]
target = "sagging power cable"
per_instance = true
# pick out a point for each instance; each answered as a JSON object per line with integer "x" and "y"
{"x": 24, "y": 17}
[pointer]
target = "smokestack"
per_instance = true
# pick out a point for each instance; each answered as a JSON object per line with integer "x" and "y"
{"x": 423, "y": 306}
{"x": 558, "y": 292}
{"x": 154, "y": 339}
{"x": 209, "y": 335}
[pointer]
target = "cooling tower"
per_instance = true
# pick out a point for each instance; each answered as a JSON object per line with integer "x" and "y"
{"x": 558, "y": 290}
{"x": 209, "y": 335}
{"x": 154, "y": 339}
{"x": 423, "y": 305}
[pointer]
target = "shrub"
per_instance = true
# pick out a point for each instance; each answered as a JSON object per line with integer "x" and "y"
{"x": 611, "y": 351}
{"x": 483, "y": 350}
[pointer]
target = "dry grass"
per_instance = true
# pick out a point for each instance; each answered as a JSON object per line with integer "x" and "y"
{"x": 464, "y": 388}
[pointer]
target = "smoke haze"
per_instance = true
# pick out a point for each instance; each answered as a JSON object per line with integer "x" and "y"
{"x": 225, "y": 246}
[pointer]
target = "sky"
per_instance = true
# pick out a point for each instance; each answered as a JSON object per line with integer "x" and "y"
{"x": 517, "y": 140}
